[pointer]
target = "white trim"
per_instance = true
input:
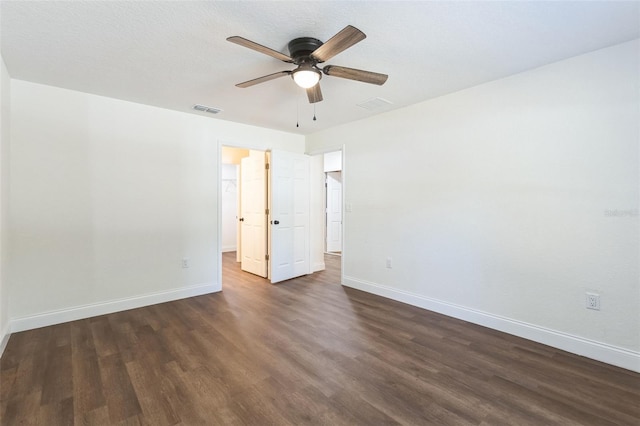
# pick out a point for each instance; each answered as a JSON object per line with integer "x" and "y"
{"x": 325, "y": 150}
{"x": 4, "y": 339}
{"x": 345, "y": 219}
{"x": 219, "y": 214}
{"x": 610, "y": 354}
{"x": 242, "y": 145}
{"x": 87, "y": 311}
{"x": 318, "y": 266}
{"x": 226, "y": 249}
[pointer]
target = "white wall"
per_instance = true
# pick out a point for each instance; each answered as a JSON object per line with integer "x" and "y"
{"x": 333, "y": 161}
{"x": 5, "y": 101}
{"x": 504, "y": 203}
{"x": 229, "y": 200}
{"x": 106, "y": 199}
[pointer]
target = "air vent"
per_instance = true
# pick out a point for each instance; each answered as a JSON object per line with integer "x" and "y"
{"x": 210, "y": 110}
{"x": 374, "y": 104}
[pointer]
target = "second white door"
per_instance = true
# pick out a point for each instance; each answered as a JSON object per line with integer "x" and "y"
{"x": 334, "y": 212}
{"x": 289, "y": 215}
{"x": 253, "y": 218}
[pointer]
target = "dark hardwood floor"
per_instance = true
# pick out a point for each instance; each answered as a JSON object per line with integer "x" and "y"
{"x": 305, "y": 351}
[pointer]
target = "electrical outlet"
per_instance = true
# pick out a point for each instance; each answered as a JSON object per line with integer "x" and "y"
{"x": 593, "y": 301}
{"x": 389, "y": 262}
{"x": 185, "y": 262}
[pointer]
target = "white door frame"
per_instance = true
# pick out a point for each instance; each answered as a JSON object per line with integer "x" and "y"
{"x": 245, "y": 145}
{"x": 231, "y": 144}
{"x": 345, "y": 214}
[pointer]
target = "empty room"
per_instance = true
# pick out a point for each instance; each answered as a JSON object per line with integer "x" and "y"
{"x": 319, "y": 212}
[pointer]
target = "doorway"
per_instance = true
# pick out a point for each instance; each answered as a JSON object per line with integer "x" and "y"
{"x": 230, "y": 230}
{"x": 333, "y": 203}
{"x": 271, "y": 218}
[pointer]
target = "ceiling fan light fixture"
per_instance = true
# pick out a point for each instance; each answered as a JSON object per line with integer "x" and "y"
{"x": 306, "y": 77}
{"x": 307, "y": 53}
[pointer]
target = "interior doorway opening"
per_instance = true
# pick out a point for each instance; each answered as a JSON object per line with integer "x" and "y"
{"x": 333, "y": 203}
{"x": 230, "y": 160}
{"x": 265, "y": 212}
{"x": 244, "y": 199}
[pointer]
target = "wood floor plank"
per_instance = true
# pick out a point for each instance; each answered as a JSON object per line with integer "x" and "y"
{"x": 256, "y": 405}
{"x": 103, "y": 336}
{"x": 99, "y": 416}
{"x": 118, "y": 391}
{"x": 58, "y": 413}
{"x": 349, "y": 408}
{"x": 23, "y": 410}
{"x": 152, "y": 392}
{"x": 30, "y": 362}
{"x": 57, "y": 382}
{"x": 87, "y": 384}
{"x": 303, "y": 352}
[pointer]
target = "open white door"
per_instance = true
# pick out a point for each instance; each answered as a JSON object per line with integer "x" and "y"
{"x": 238, "y": 223}
{"x": 334, "y": 212}
{"x": 253, "y": 216}
{"x": 290, "y": 220}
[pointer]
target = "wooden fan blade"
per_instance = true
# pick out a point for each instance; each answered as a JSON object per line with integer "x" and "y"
{"x": 354, "y": 74}
{"x": 339, "y": 42}
{"x": 259, "y": 48}
{"x": 314, "y": 94}
{"x": 263, "y": 79}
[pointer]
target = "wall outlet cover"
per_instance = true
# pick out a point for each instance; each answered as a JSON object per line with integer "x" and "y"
{"x": 592, "y": 301}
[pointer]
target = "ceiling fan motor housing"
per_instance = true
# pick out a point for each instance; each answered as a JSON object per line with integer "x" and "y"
{"x": 300, "y": 49}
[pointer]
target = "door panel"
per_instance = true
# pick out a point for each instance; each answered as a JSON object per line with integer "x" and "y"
{"x": 290, "y": 219}
{"x": 253, "y": 213}
{"x": 334, "y": 211}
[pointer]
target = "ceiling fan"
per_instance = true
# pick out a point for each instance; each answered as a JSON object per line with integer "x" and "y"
{"x": 307, "y": 53}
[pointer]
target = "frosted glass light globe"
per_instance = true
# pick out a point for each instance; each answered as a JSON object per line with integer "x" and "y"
{"x": 306, "y": 78}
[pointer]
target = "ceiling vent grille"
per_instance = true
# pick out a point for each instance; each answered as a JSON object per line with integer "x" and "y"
{"x": 375, "y": 104}
{"x": 210, "y": 110}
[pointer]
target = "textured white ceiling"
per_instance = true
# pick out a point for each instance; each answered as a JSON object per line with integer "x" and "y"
{"x": 174, "y": 54}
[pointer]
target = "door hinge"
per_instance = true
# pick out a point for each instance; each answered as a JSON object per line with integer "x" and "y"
{"x": 266, "y": 211}
{"x": 266, "y": 257}
{"x": 266, "y": 166}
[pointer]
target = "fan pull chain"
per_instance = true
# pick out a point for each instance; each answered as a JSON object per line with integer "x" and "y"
{"x": 298, "y": 112}
{"x": 314, "y": 112}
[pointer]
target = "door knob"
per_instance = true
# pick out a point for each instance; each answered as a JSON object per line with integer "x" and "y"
{"x": 241, "y": 219}
{"x": 276, "y": 222}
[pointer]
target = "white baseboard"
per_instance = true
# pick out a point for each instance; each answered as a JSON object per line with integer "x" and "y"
{"x": 226, "y": 249}
{"x": 609, "y": 354}
{"x": 87, "y": 311}
{"x": 4, "y": 339}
